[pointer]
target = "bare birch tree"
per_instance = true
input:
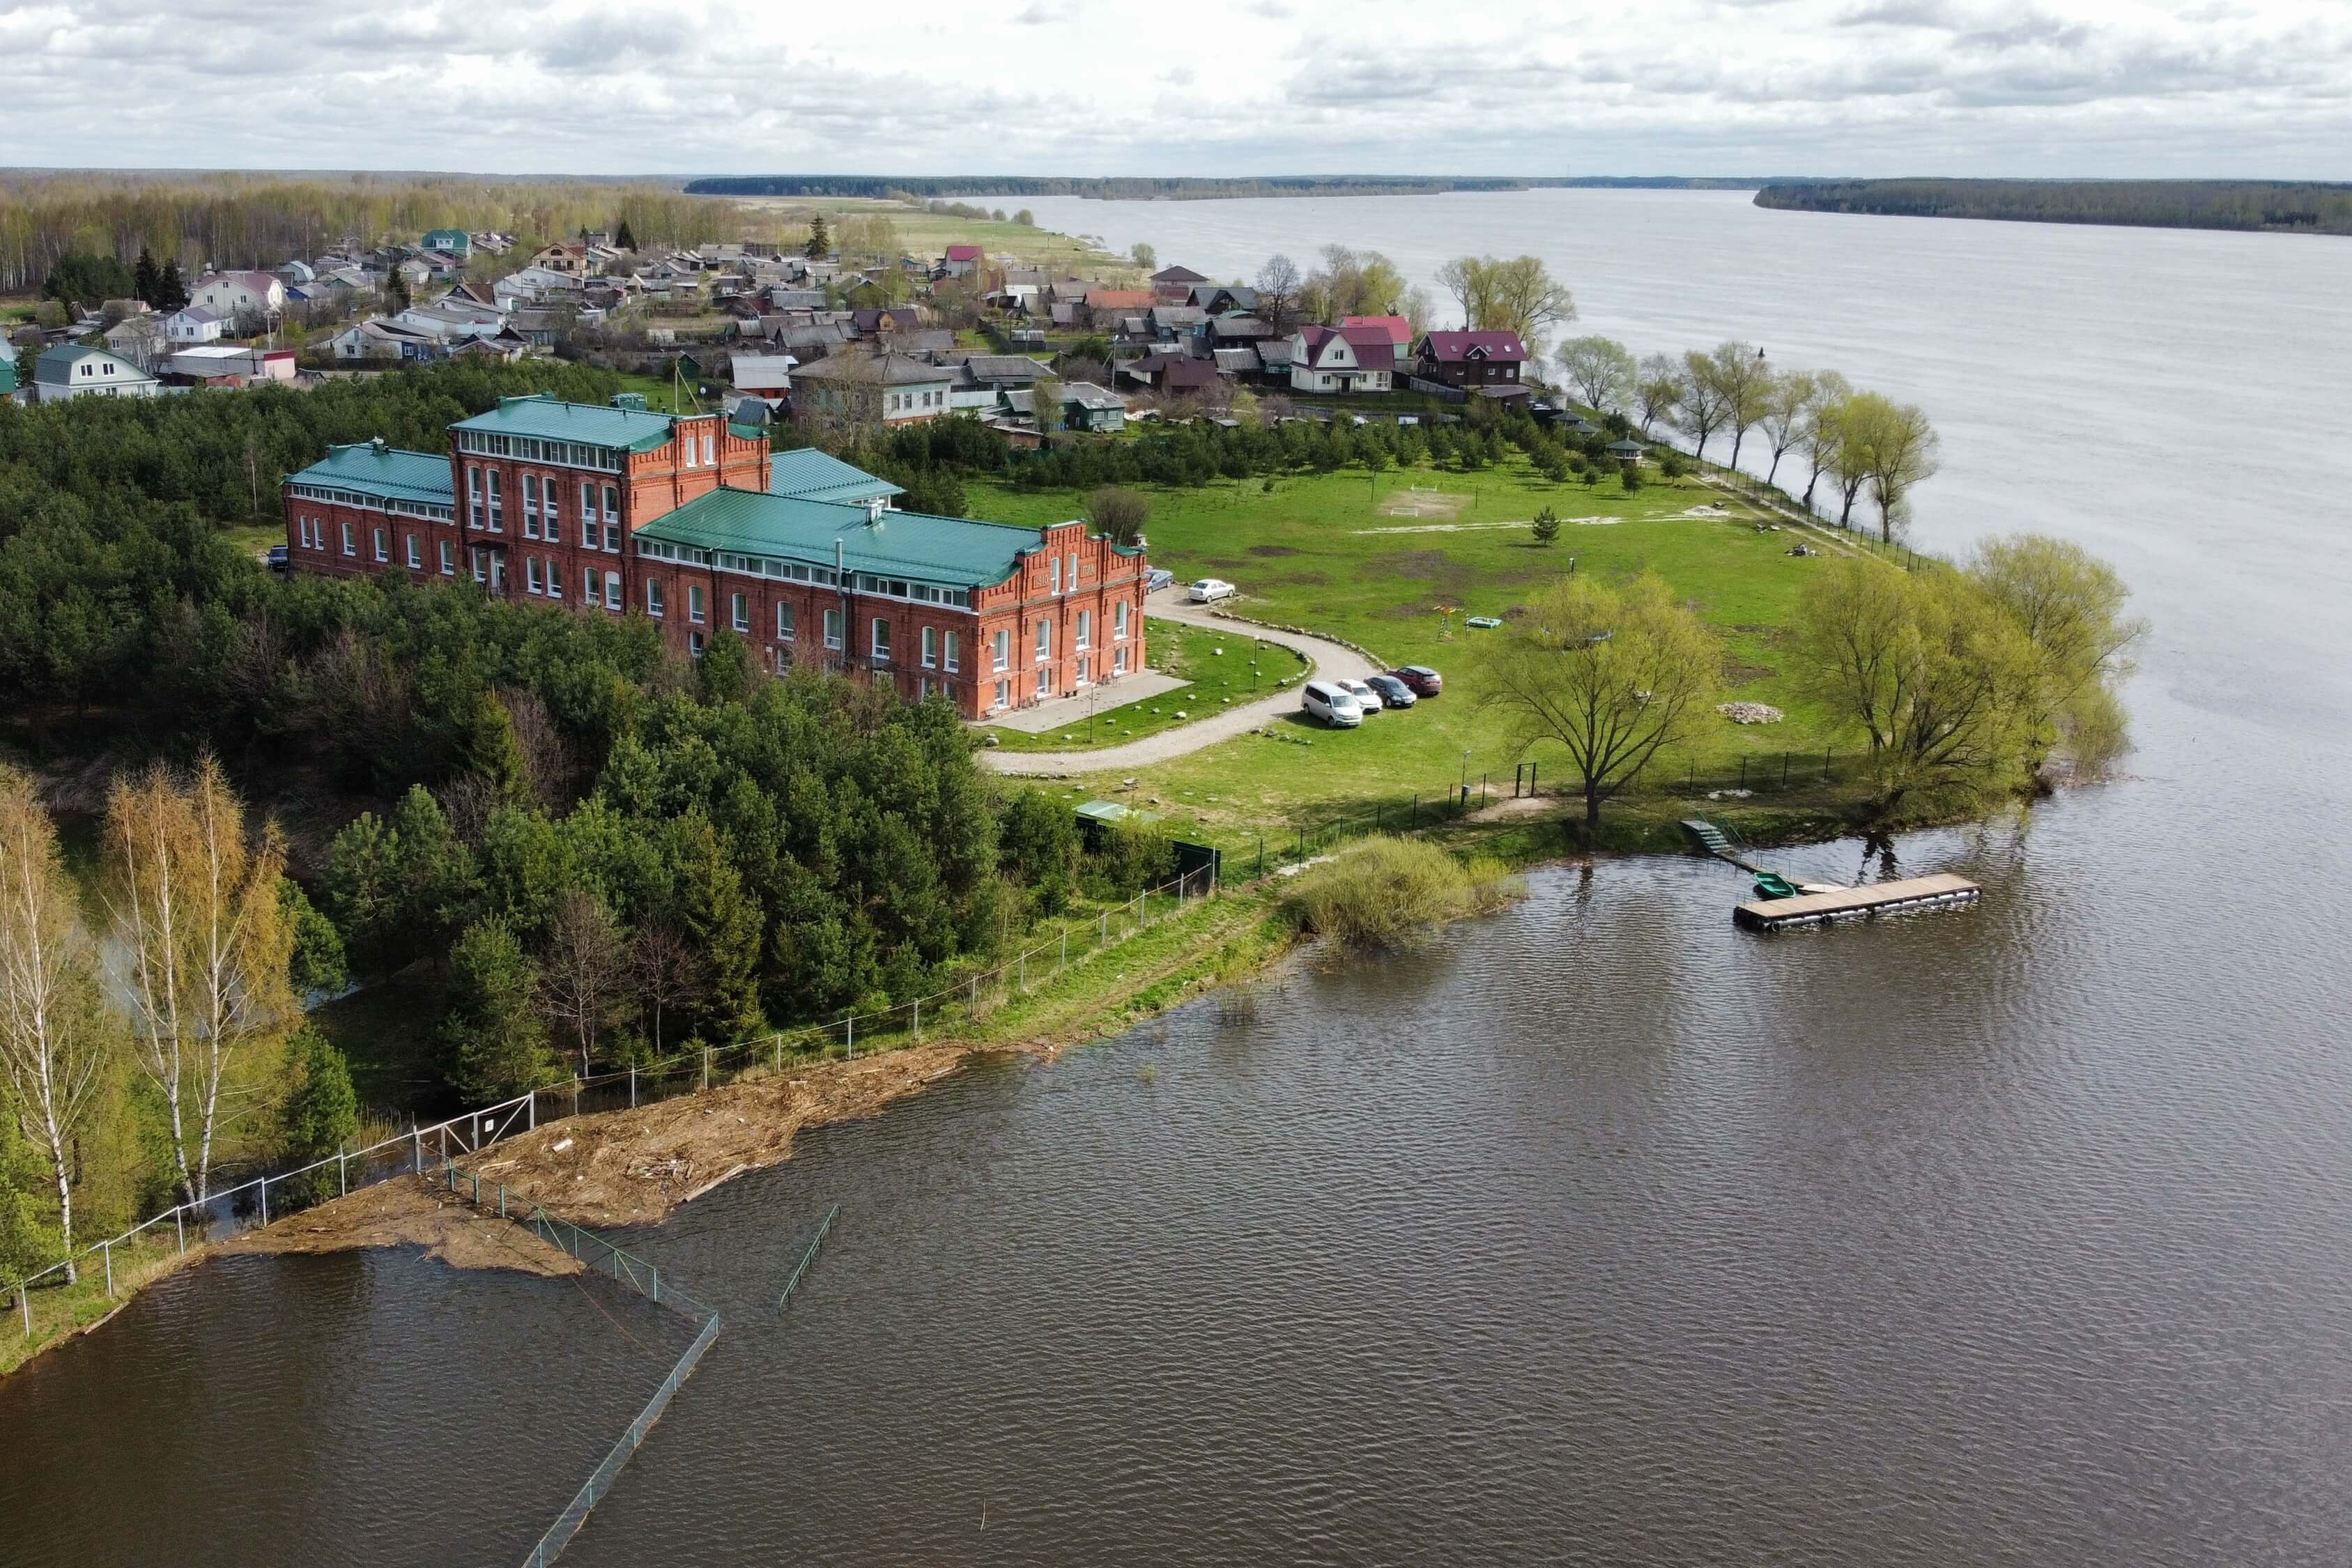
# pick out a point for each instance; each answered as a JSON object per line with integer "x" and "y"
{"x": 581, "y": 971}
{"x": 666, "y": 970}
{"x": 195, "y": 912}
{"x": 53, "y": 1037}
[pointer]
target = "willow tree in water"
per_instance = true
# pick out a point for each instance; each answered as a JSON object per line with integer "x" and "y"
{"x": 1614, "y": 677}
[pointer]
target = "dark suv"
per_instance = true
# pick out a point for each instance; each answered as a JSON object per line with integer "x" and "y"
{"x": 1394, "y": 693}
{"x": 1423, "y": 680}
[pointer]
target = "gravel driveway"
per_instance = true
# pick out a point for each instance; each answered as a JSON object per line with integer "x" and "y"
{"x": 1326, "y": 659}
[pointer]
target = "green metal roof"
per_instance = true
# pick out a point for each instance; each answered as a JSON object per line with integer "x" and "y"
{"x": 8, "y": 369}
{"x": 948, "y": 551}
{"x": 595, "y": 424}
{"x": 812, "y": 475}
{"x": 387, "y": 472}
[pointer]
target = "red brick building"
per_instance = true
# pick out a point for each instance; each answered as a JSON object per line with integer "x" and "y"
{"x": 615, "y": 511}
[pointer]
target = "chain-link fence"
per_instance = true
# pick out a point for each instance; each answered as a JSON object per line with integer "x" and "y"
{"x": 123, "y": 1261}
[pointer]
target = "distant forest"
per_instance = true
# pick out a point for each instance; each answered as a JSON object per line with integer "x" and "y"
{"x": 233, "y": 221}
{"x": 2274, "y": 205}
{"x": 1138, "y": 189}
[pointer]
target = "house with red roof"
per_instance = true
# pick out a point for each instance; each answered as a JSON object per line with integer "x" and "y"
{"x": 1342, "y": 359}
{"x": 1399, "y": 329}
{"x": 960, "y": 261}
{"x": 1484, "y": 361}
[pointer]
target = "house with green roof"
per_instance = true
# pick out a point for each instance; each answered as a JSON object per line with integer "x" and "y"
{"x": 610, "y": 508}
{"x": 454, "y": 242}
{"x": 987, "y": 615}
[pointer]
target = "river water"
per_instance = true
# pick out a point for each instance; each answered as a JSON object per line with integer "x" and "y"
{"x": 1600, "y": 1234}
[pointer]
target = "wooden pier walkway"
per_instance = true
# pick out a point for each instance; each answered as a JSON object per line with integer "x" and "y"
{"x": 1941, "y": 891}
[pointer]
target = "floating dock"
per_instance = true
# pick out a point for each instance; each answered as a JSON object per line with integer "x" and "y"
{"x": 1942, "y": 891}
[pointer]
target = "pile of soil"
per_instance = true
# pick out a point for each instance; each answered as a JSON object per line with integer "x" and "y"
{"x": 410, "y": 1211}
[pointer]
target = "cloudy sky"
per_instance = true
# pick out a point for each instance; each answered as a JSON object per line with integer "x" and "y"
{"x": 1204, "y": 87}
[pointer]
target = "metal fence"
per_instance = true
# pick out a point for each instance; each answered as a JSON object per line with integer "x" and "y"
{"x": 970, "y": 997}
{"x": 601, "y": 1256}
{"x": 252, "y": 1205}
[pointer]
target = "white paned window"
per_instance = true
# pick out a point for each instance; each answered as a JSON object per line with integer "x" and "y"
{"x": 1086, "y": 628}
{"x": 653, "y": 598}
{"x": 955, "y": 652}
{"x": 694, "y": 603}
{"x": 784, "y": 620}
{"x": 350, "y": 546}
{"x": 930, "y": 647}
{"x": 881, "y": 643}
{"x": 832, "y": 630}
{"x": 740, "y": 604}
{"x": 1001, "y": 649}
{"x": 612, "y": 590}
{"x": 1119, "y": 620}
{"x": 1045, "y": 641}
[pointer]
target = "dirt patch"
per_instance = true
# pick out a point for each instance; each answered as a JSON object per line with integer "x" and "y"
{"x": 1422, "y": 563}
{"x": 1303, "y": 580}
{"x": 409, "y": 1211}
{"x": 1424, "y": 504}
{"x": 1270, "y": 552}
{"x": 1518, "y": 805}
{"x": 1736, "y": 672}
{"x": 632, "y": 1167}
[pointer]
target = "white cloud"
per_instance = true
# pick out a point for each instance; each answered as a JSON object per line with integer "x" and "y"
{"x": 2097, "y": 87}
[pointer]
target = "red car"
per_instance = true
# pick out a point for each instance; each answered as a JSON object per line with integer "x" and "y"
{"x": 1424, "y": 680}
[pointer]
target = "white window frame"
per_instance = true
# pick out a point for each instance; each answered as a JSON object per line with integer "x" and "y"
{"x": 530, "y": 573}
{"x": 785, "y": 620}
{"x": 739, "y": 612}
{"x": 1118, "y": 622}
{"x": 1045, "y": 641}
{"x": 953, "y": 661}
{"x": 531, "y": 506}
{"x": 351, "y": 540}
{"x": 1118, "y": 661}
{"x": 999, "y": 650}
{"x": 655, "y": 605}
{"x": 448, "y": 558}
{"x": 878, "y": 639}
{"x": 612, "y": 591}
{"x": 1086, "y": 630}
{"x": 416, "y": 553}
{"x": 695, "y": 609}
{"x": 930, "y": 647}
{"x": 498, "y": 503}
{"x": 1054, "y": 574}
{"x": 834, "y": 629}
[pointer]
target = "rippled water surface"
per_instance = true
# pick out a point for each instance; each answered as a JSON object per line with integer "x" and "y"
{"x": 1600, "y": 1234}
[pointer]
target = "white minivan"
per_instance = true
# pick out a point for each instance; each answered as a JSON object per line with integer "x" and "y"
{"x": 1335, "y": 705}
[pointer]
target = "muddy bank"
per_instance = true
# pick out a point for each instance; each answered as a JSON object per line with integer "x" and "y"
{"x": 409, "y": 1211}
{"x": 632, "y": 1167}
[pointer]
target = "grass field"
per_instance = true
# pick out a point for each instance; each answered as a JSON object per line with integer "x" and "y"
{"x": 927, "y": 234}
{"x": 1220, "y": 668}
{"x": 1380, "y": 562}
{"x": 663, "y": 395}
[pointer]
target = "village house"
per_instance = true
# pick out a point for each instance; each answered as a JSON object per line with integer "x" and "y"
{"x": 1400, "y": 331}
{"x": 960, "y": 261}
{"x": 77, "y": 370}
{"x": 1106, "y": 309}
{"x": 1341, "y": 359}
{"x": 768, "y": 377}
{"x": 454, "y": 242}
{"x": 139, "y": 337}
{"x": 383, "y": 340}
{"x": 610, "y": 510}
{"x": 1175, "y": 284}
{"x": 894, "y": 388}
{"x": 231, "y": 295}
{"x": 1095, "y": 409}
{"x": 1487, "y": 362}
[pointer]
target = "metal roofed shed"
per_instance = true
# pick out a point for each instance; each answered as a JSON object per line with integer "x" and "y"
{"x": 544, "y": 416}
{"x": 809, "y": 474}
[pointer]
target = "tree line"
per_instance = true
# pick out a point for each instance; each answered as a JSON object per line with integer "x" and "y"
{"x": 1862, "y": 442}
{"x": 2308, "y": 207}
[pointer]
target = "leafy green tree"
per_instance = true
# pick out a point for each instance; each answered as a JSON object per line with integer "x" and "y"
{"x": 320, "y": 1113}
{"x": 1613, "y": 677}
{"x": 401, "y": 888}
{"x": 1629, "y": 476}
{"x": 725, "y": 671}
{"x": 2070, "y": 605}
{"x": 493, "y": 1043}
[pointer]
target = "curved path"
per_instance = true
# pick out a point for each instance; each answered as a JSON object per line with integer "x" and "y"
{"x": 1325, "y": 658}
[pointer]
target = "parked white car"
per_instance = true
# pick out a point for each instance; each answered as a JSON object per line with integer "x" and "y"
{"x": 1365, "y": 698}
{"x": 1209, "y": 590}
{"x": 1331, "y": 702}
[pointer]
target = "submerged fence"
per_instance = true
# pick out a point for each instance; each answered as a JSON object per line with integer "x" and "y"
{"x": 601, "y": 1257}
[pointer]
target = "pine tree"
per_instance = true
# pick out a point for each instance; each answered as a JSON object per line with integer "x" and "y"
{"x": 623, "y": 239}
{"x": 146, "y": 280}
{"x": 171, "y": 290}
{"x": 820, "y": 239}
{"x": 493, "y": 1042}
{"x": 491, "y": 748}
{"x": 723, "y": 922}
{"x": 319, "y": 1117}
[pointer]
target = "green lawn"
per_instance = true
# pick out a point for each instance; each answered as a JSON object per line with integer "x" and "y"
{"x": 664, "y": 396}
{"x": 1379, "y": 562}
{"x": 1222, "y": 667}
